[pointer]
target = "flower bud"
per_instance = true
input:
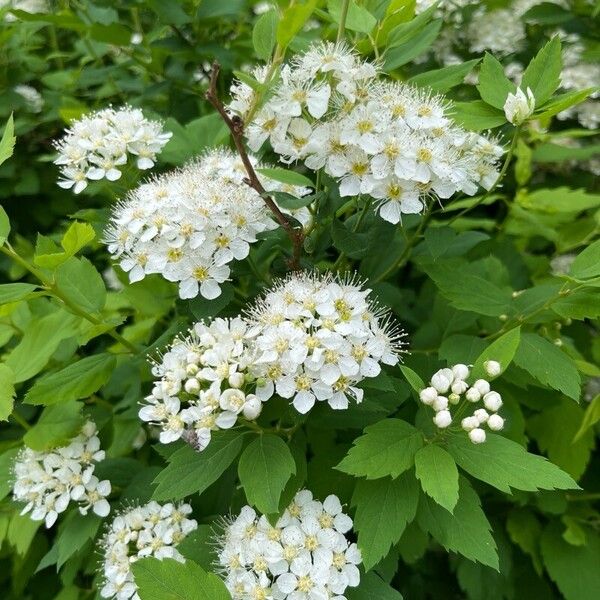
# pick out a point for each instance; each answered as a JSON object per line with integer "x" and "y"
{"x": 481, "y": 415}
{"x": 440, "y": 382}
{"x": 252, "y": 407}
{"x": 469, "y": 423}
{"x": 440, "y": 403}
{"x": 428, "y": 395}
{"x": 454, "y": 399}
{"x": 236, "y": 380}
{"x": 518, "y": 106}
{"x": 192, "y": 386}
{"x": 492, "y": 401}
{"x": 460, "y": 371}
{"x": 192, "y": 357}
{"x": 192, "y": 369}
{"x": 473, "y": 395}
{"x": 459, "y": 387}
{"x": 495, "y": 422}
{"x": 443, "y": 419}
{"x": 492, "y": 368}
{"x": 482, "y": 386}
{"x": 477, "y": 436}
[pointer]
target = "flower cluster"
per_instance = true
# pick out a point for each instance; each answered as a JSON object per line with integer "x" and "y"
{"x": 305, "y": 556}
{"x": 32, "y": 98}
{"x": 319, "y": 337}
{"x": 453, "y": 383}
{"x": 97, "y": 146}
{"x": 48, "y": 481}
{"x": 149, "y": 530}
{"x": 189, "y": 224}
{"x": 385, "y": 139}
{"x": 203, "y": 383}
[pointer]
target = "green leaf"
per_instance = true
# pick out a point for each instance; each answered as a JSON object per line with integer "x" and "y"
{"x": 386, "y": 448}
{"x": 414, "y": 380}
{"x": 168, "y": 579}
{"x": 564, "y": 101}
{"x": 265, "y": 467}
{"x": 466, "y": 531}
{"x": 81, "y": 283}
{"x": 354, "y": 245}
{"x": 437, "y": 472}
{"x": 372, "y": 587}
{"x": 12, "y": 292}
{"x": 202, "y": 308}
{"x": 403, "y": 53}
{"x": 494, "y": 86}
{"x": 56, "y": 426}
{"x": 574, "y": 569}
{"x": 383, "y": 509}
{"x": 264, "y": 34}
{"x": 190, "y": 472}
{"x": 76, "y": 237}
{"x": 442, "y": 80}
{"x": 40, "y": 340}
{"x": 524, "y": 530}
{"x": 78, "y": 380}
{"x": 286, "y": 176}
{"x": 7, "y": 143}
{"x": 582, "y": 304}
{"x": 7, "y": 391}
{"x": 4, "y": 226}
{"x": 590, "y": 418}
{"x": 559, "y": 200}
{"x": 542, "y": 75}
{"x": 548, "y": 364}
{"x": 7, "y": 461}
{"x": 501, "y": 350}
{"x": 358, "y": 18}
{"x": 554, "y": 430}
{"x": 74, "y": 532}
{"x": 504, "y": 464}
{"x": 292, "y": 21}
{"x": 403, "y": 32}
{"x": 169, "y": 13}
{"x": 477, "y": 115}
{"x": 587, "y": 263}
{"x": 289, "y": 201}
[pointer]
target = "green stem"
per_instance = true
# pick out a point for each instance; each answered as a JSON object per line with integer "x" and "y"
{"x": 54, "y": 291}
{"x": 20, "y": 420}
{"x": 501, "y": 175}
{"x": 343, "y": 16}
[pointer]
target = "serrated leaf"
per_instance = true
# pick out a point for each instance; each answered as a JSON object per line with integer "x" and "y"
{"x": 524, "y": 529}
{"x": 542, "y": 74}
{"x": 190, "y": 472}
{"x": 564, "y": 101}
{"x": 590, "y": 418}
{"x": 354, "y": 245}
{"x": 477, "y": 115}
{"x": 74, "y": 532}
{"x": 466, "y": 531}
{"x": 442, "y": 80}
{"x": 504, "y": 464}
{"x": 264, "y": 469}
{"x": 4, "y": 226}
{"x": 414, "y": 379}
{"x": 587, "y": 262}
{"x": 582, "y": 304}
{"x": 437, "y": 472}
{"x": 383, "y": 509}
{"x": 12, "y": 292}
{"x": 548, "y": 364}
{"x": 78, "y": 380}
{"x": 81, "y": 283}
{"x": 292, "y": 21}
{"x": 286, "y": 176}
{"x": 76, "y": 237}
{"x": 403, "y": 53}
{"x": 7, "y": 143}
{"x": 55, "y": 427}
{"x": 358, "y": 18}
{"x": 494, "y": 86}
{"x": 372, "y": 587}
{"x": 264, "y": 34}
{"x": 386, "y": 448}
{"x": 168, "y": 579}
{"x": 501, "y": 350}
{"x": 7, "y": 391}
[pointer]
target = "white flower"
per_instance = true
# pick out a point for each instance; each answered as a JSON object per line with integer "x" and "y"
{"x": 518, "y": 106}
{"x": 477, "y": 436}
{"x": 495, "y": 422}
{"x": 492, "y": 401}
{"x": 48, "y": 481}
{"x": 443, "y": 419}
{"x": 148, "y": 530}
{"x": 97, "y": 145}
{"x": 428, "y": 395}
{"x": 492, "y": 368}
{"x": 304, "y": 556}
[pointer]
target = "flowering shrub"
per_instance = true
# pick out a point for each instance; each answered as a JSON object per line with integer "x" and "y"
{"x": 299, "y": 300}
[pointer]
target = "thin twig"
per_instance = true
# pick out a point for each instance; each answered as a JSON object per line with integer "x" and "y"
{"x": 236, "y": 127}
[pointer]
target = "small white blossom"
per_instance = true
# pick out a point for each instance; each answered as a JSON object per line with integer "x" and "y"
{"x": 518, "y": 106}
{"x": 477, "y": 436}
{"x": 492, "y": 368}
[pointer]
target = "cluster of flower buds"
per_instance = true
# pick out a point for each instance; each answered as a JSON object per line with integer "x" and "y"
{"x": 99, "y": 144}
{"x": 149, "y": 530}
{"x": 392, "y": 141}
{"x": 305, "y": 556}
{"x": 188, "y": 225}
{"x": 449, "y": 386}
{"x": 48, "y": 481}
{"x": 203, "y": 383}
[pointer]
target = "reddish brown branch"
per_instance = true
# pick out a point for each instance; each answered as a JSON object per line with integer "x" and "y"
{"x": 236, "y": 126}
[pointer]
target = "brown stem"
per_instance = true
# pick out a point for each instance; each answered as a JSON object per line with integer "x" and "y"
{"x": 236, "y": 126}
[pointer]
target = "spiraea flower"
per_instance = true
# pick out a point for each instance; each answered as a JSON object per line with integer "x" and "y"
{"x": 449, "y": 388}
{"x": 203, "y": 383}
{"x": 319, "y": 337}
{"x": 188, "y": 225}
{"x": 33, "y": 99}
{"x": 519, "y": 106}
{"x": 392, "y": 141}
{"x": 497, "y": 31}
{"x": 148, "y": 530}
{"x": 47, "y": 482}
{"x": 304, "y": 556}
{"x": 101, "y": 144}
